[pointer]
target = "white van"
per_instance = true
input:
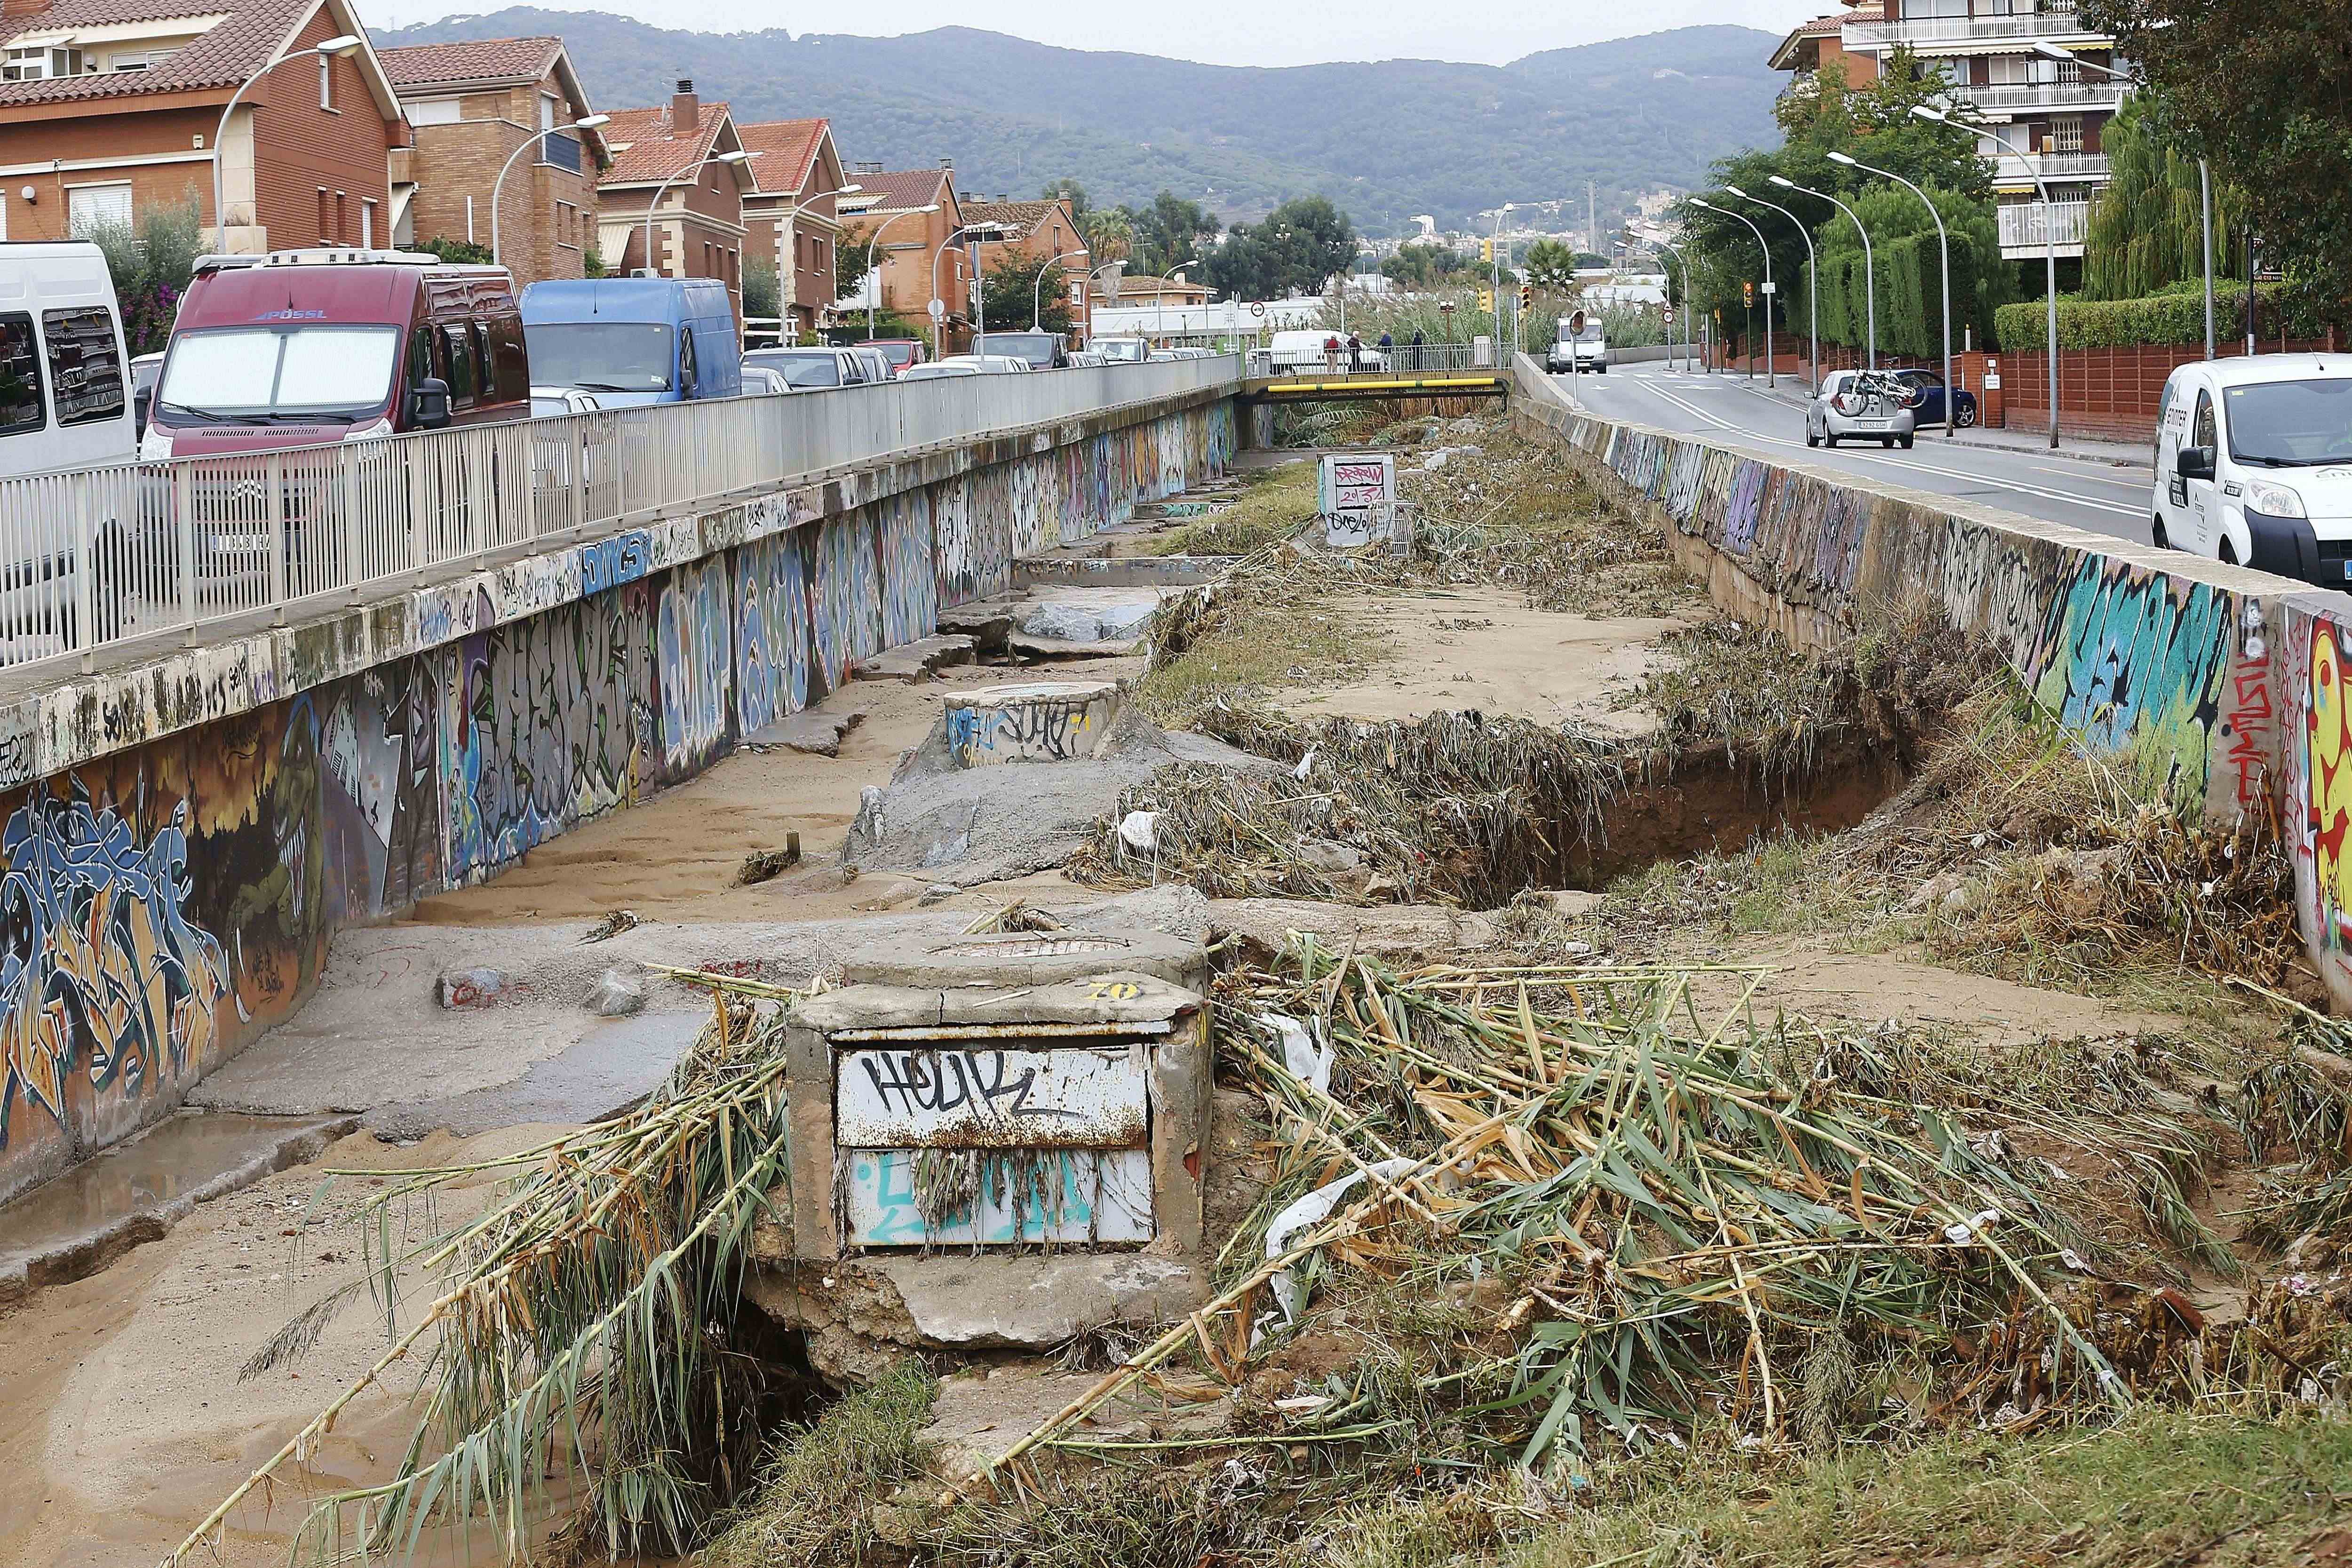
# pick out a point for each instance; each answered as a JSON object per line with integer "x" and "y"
{"x": 2253, "y": 464}
{"x": 64, "y": 404}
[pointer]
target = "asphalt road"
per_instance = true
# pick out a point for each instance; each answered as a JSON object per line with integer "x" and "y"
{"x": 1732, "y": 411}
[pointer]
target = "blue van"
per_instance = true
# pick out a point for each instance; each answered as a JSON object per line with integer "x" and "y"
{"x": 634, "y": 341}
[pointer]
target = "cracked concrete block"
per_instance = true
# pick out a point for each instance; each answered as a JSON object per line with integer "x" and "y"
{"x": 480, "y": 986}
{"x": 617, "y": 995}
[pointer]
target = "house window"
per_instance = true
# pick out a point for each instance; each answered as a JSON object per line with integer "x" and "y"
{"x": 547, "y": 111}
{"x": 20, "y": 376}
{"x": 85, "y": 370}
{"x": 433, "y": 112}
{"x": 39, "y": 63}
{"x": 2066, "y": 133}
{"x": 342, "y": 217}
{"x": 324, "y": 237}
{"x": 327, "y": 83}
{"x": 367, "y": 224}
{"x": 1919, "y": 10}
{"x": 89, "y": 208}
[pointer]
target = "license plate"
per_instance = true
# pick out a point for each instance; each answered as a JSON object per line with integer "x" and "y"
{"x": 1873, "y": 424}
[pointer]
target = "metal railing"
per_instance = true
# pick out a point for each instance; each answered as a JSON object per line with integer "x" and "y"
{"x": 2051, "y": 166}
{"x": 2056, "y": 19}
{"x": 1401, "y": 358}
{"x": 186, "y": 545}
{"x": 2024, "y": 223}
{"x": 2045, "y": 95}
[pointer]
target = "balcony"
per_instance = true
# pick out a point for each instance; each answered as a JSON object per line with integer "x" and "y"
{"x": 2028, "y": 227}
{"x": 560, "y": 152}
{"x": 2008, "y": 170}
{"x": 2055, "y": 20}
{"x": 2045, "y": 95}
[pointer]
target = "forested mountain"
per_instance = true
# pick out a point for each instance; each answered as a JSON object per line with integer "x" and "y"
{"x": 1385, "y": 140}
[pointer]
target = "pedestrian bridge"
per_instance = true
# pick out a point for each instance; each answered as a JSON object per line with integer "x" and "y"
{"x": 1401, "y": 372}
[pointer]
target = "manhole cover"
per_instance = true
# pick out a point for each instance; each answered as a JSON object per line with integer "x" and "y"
{"x": 1032, "y": 947}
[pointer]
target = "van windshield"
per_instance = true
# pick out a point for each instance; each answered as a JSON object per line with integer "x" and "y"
{"x": 1037, "y": 348}
{"x": 1122, "y": 351}
{"x": 2291, "y": 423}
{"x": 600, "y": 356}
{"x": 289, "y": 371}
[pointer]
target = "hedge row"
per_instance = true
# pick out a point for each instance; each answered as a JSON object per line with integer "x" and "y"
{"x": 2174, "y": 319}
{"x": 1910, "y": 295}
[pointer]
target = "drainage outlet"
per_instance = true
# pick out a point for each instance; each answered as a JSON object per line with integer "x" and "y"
{"x": 1042, "y": 721}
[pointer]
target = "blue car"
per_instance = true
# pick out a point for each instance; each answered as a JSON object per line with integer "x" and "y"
{"x": 634, "y": 341}
{"x": 1930, "y": 411}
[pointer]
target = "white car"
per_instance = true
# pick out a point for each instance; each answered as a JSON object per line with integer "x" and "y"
{"x": 758, "y": 382}
{"x": 2253, "y": 464}
{"x": 548, "y": 401}
{"x": 936, "y": 369}
{"x": 991, "y": 363}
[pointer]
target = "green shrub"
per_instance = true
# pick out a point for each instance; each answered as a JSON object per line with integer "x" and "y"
{"x": 2174, "y": 319}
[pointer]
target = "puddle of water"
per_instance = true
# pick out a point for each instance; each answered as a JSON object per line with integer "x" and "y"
{"x": 178, "y": 1158}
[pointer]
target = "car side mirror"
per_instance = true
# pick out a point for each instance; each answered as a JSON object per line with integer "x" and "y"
{"x": 2194, "y": 463}
{"x": 429, "y": 404}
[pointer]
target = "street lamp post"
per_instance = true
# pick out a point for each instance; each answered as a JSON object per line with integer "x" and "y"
{"x": 2049, "y": 239}
{"x": 788, "y": 241}
{"x": 1664, "y": 243}
{"x": 1812, "y": 274}
{"x": 334, "y": 48}
{"x": 939, "y": 315}
{"x": 1494, "y": 259}
{"x": 737, "y": 156}
{"x": 1869, "y": 266}
{"x": 874, "y": 285}
{"x": 586, "y": 123}
{"x": 2049, "y": 50}
{"x": 1944, "y": 256}
{"x": 1768, "y": 291}
{"x": 1037, "y": 294}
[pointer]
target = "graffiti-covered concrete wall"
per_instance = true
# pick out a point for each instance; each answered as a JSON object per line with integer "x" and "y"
{"x": 2222, "y": 686}
{"x": 169, "y": 892}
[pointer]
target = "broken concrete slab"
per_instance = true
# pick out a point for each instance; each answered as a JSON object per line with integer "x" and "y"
{"x": 616, "y": 1065}
{"x": 982, "y": 1410}
{"x": 1053, "y": 650}
{"x": 1033, "y": 958}
{"x": 917, "y": 660}
{"x": 1120, "y": 571}
{"x": 816, "y": 731}
{"x": 1037, "y": 721}
{"x": 1380, "y": 931}
{"x": 136, "y": 1192}
{"x": 1090, "y": 613}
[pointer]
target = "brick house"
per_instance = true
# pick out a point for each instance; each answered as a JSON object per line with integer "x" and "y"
{"x": 666, "y": 161}
{"x": 790, "y": 217}
{"x": 1040, "y": 231}
{"x": 471, "y": 108}
{"x": 109, "y": 108}
{"x": 889, "y": 217}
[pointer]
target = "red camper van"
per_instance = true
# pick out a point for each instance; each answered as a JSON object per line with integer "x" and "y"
{"x": 301, "y": 348}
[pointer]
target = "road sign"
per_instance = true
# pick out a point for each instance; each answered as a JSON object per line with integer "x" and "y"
{"x": 1575, "y": 323}
{"x": 1770, "y": 290}
{"x": 1670, "y": 315}
{"x": 939, "y": 309}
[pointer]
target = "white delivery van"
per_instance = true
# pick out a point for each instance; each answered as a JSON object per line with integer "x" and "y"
{"x": 1581, "y": 344}
{"x": 65, "y": 405}
{"x": 2253, "y": 464}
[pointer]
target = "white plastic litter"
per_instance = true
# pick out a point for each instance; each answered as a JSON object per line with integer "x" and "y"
{"x": 1313, "y": 1210}
{"x": 1139, "y": 830}
{"x": 1307, "y": 1061}
{"x": 1305, "y": 764}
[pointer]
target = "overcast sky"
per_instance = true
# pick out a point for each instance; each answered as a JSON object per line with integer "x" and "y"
{"x": 1227, "y": 32}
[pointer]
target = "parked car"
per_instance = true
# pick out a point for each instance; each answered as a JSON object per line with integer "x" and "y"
{"x": 635, "y": 340}
{"x": 64, "y": 404}
{"x": 993, "y": 363}
{"x": 547, "y": 401}
{"x": 813, "y": 370}
{"x": 1861, "y": 406}
{"x": 1044, "y": 350}
{"x": 1123, "y": 351}
{"x": 877, "y": 363}
{"x": 1930, "y": 411}
{"x": 1087, "y": 359}
{"x": 2253, "y": 464}
{"x": 939, "y": 370}
{"x": 146, "y": 370}
{"x": 900, "y": 352}
{"x": 759, "y": 381}
{"x": 305, "y": 347}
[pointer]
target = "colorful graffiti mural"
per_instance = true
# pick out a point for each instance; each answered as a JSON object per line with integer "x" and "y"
{"x": 694, "y": 644}
{"x": 771, "y": 631}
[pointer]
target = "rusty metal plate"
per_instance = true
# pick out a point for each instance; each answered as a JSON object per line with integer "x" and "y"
{"x": 985, "y": 1098}
{"x": 1073, "y": 1197}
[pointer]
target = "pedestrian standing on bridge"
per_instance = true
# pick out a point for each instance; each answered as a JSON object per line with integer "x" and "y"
{"x": 1388, "y": 351}
{"x": 1355, "y": 354}
{"x": 1417, "y": 341}
{"x": 1330, "y": 352}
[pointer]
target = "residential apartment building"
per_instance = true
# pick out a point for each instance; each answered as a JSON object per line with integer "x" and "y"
{"x": 110, "y": 107}
{"x": 790, "y": 217}
{"x": 1039, "y": 231}
{"x": 480, "y": 108}
{"x": 906, "y": 217}
{"x": 1991, "y": 53}
{"x": 667, "y": 167}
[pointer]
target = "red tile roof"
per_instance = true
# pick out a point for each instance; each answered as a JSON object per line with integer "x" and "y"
{"x": 1018, "y": 217}
{"x": 782, "y": 150}
{"x": 223, "y": 56}
{"x": 489, "y": 60}
{"x": 644, "y": 152}
{"x": 899, "y": 189}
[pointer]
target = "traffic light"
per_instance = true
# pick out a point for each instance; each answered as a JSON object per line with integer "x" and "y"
{"x": 1527, "y": 296}
{"x": 1486, "y": 299}
{"x": 1747, "y": 294}
{"x": 1486, "y": 251}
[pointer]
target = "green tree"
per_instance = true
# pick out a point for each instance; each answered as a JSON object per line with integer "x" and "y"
{"x": 1299, "y": 247}
{"x": 149, "y": 265}
{"x": 1169, "y": 233}
{"x": 764, "y": 291}
{"x": 850, "y": 259}
{"x": 2147, "y": 229}
{"x": 1423, "y": 265}
{"x": 1550, "y": 264}
{"x": 2261, "y": 90}
{"x": 1909, "y": 273}
{"x": 458, "y": 252}
{"x": 1056, "y": 190}
{"x": 1018, "y": 284}
{"x": 1110, "y": 234}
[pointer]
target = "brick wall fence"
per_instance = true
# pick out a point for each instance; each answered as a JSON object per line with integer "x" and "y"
{"x": 2110, "y": 392}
